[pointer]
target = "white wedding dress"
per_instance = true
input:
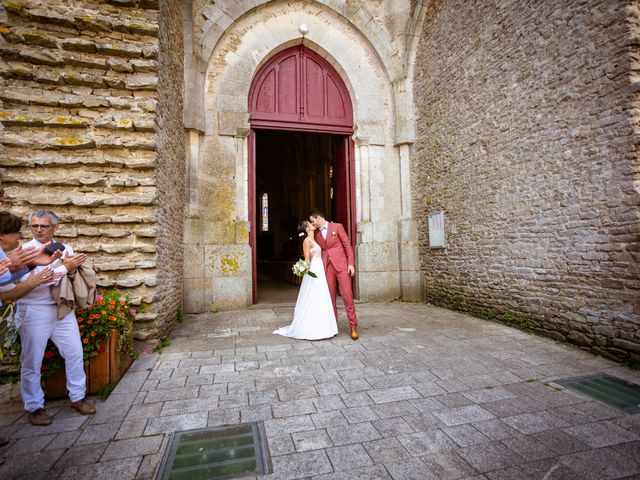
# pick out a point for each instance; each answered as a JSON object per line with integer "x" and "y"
{"x": 313, "y": 317}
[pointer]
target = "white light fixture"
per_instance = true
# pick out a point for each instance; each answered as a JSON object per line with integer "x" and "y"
{"x": 303, "y": 28}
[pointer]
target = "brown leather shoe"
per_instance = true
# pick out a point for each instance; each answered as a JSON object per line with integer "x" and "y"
{"x": 39, "y": 417}
{"x": 354, "y": 333}
{"x": 83, "y": 407}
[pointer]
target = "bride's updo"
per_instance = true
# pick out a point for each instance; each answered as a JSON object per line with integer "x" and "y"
{"x": 302, "y": 228}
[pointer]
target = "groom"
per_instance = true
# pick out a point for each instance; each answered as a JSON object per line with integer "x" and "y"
{"x": 339, "y": 261}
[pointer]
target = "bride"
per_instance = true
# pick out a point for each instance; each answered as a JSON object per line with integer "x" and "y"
{"x": 313, "y": 317}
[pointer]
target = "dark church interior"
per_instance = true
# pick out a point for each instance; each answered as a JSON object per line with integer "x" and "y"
{"x": 295, "y": 172}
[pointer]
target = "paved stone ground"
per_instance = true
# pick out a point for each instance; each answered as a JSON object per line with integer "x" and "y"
{"x": 425, "y": 393}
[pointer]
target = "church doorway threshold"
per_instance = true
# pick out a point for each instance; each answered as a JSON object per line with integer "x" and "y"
{"x": 295, "y": 171}
{"x": 273, "y": 291}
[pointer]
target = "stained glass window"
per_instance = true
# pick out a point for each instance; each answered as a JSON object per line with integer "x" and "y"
{"x": 265, "y": 212}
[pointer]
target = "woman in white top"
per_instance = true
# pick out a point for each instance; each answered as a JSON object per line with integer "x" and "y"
{"x": 313, "y": 317}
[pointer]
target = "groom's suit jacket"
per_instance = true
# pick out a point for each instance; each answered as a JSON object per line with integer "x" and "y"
{"x": 336, "y": 248}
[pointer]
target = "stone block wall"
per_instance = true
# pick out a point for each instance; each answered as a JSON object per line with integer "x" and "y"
{"x": 170, "y": 166}
{"x": 526, "y": 142}
{"x": 86, "y": 135}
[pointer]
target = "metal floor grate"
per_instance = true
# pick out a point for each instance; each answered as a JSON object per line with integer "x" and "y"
{"x": 610, "y": 390}
{"x": 216, "y": 453}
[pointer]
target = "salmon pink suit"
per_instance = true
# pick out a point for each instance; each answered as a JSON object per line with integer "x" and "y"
{"x": 337, "y": 255}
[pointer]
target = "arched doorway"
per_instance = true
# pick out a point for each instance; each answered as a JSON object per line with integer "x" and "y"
{"x": 301, "y": 155}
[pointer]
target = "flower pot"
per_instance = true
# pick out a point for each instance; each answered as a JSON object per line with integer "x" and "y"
{"x": 106, "y": 367}
{"x": 56, "y": 384}
{"x": 120, "y": 362}
{"x": 109, "y": 365}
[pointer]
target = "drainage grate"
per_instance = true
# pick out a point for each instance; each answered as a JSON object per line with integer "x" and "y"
{"x": 610, "y": 390}
{"x": 216, "y": 453}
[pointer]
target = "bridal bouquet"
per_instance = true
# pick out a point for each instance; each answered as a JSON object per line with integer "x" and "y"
{"x": 301, "y": 268}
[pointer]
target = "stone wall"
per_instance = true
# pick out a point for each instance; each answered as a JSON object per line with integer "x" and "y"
{"x": 80, "y": 114}
{"x": 170, "y": 168}
{"x": 525, "y": 141}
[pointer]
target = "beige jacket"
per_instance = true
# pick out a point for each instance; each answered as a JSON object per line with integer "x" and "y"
{"x": 81, "y": 292}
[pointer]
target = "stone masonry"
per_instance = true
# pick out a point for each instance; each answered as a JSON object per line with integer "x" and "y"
{"x": 85, "y": 135}
{"x": 170, "y": 168}
{"x": 525, "y": 136}
{"x": 525, "y": 141}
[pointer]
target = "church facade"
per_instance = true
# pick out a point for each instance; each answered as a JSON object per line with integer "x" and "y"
{"x": 482, "y": 156}
{"x": 234, "y": 156}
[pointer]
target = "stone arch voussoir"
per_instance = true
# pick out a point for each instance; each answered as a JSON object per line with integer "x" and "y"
{"x": 257, "y": 36}
{"x": 222, "y": 14}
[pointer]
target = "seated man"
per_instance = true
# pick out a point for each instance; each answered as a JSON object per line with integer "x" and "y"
{"x": 36, "y": 314}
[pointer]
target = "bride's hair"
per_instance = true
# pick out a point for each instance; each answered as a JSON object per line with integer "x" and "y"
{"x": 302, "y": 228}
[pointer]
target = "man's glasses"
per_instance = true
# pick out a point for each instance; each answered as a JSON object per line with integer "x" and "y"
{"x": 37, "y": 226}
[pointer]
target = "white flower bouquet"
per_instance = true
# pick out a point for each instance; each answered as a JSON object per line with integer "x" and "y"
{"x": 301, "y": 268}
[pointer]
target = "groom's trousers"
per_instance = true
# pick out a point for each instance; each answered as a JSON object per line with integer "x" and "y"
{"x": 346, "y": 292}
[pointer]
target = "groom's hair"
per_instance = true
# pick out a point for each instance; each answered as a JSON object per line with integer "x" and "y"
{"x": 316, "y": 213}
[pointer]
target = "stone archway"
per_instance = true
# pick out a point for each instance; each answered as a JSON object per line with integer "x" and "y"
{"x": 218, "y": 269}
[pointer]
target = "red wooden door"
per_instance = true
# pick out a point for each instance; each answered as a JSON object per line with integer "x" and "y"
{"x": 346, "y": 192}
{"x": 253, "y": 221}
{"x": 299, "y": 90}
{"x": 345, "y": 187}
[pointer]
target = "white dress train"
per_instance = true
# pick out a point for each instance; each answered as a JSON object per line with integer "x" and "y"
{"x": 313, "y": 317}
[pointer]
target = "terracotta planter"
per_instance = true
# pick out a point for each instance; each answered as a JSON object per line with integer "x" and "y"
{"x": 106, "y": 367}
{"x": 55, "y": 385}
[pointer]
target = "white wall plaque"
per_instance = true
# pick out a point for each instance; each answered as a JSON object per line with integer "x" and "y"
{"x": 436, "y": 230}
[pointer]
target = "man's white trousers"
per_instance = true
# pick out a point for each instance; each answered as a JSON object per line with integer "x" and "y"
{"x": 38, "y": 323}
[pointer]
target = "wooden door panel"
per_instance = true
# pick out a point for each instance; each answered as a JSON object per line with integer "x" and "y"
{"x": 299, "y": 90}
{"x": 335, "y": 101}
{"x": 253, "y": 223}
{"x": 287, "y": 86}
{"x": 314, "y": 81}
{"x": 266, "y": 99}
